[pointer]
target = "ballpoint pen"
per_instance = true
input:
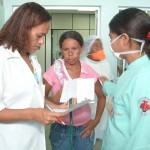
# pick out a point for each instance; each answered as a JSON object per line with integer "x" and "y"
{"x": 59, "y": 118}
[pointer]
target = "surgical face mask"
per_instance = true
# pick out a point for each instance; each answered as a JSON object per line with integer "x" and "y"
{"x": 98, "y": 55}
{"x": 117, "y": 54}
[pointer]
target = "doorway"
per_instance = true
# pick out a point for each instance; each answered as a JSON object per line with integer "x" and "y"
{"x": 85, "y": 20}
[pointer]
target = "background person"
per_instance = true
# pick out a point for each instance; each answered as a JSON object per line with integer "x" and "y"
{"x": 22, "y": 113}
{"x": 128, "y": 129}
{"x": 96, "y": 58}
{"x": 68, "y": 68}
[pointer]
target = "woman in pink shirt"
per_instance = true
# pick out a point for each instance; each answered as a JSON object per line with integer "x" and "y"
{"x": 70, "y": 67}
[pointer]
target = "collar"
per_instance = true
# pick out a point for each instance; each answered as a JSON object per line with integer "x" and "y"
{"x": 8, "y": 53}
{"x": 139, "y": 62}
{"x": 83, "y": 66}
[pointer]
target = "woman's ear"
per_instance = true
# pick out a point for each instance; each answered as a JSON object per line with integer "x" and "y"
{"x": 126, "y": 39}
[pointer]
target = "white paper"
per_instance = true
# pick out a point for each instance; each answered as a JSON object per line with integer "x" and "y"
{"x": 76, "y": 106}
{"x": 80, "y": 88}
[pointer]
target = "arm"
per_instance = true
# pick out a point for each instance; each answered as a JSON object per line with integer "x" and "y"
{"x": 8, "y": 115}
{"x": 99, "y": 110}
{"x": 108, "y": 86}
{"x": 12, "y": 115}
{"x": 41, "y": 115}
{"x": 53, "y": 100}
{"x": 100, "y": 103}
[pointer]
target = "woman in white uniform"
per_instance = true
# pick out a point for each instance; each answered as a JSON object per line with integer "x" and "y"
{"x": 96, "y": 59}
{"x": 22, "y": 113}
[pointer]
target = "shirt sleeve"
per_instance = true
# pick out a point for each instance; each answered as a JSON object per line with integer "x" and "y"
{"x": 109, "y": 88}
{"x": 50, "y": 75}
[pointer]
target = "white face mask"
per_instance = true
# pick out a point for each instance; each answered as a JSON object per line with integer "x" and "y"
{"x": 117, "y": 54}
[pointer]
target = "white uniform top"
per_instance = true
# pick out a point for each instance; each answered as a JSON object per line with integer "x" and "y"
{"x": 20, "y": 90}
{"x": 102, "y": 67}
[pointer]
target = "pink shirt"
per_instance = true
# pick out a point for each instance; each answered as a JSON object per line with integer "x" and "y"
{"x": 56, "y": 75}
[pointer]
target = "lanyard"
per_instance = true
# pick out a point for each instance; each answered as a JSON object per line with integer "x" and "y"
{"x": 35, "y": 75}
{"x": 34, "y": 71}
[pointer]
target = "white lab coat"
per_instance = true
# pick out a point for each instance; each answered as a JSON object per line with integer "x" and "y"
{"x": 20, "y": 90}
{"x": 103, "y": 69}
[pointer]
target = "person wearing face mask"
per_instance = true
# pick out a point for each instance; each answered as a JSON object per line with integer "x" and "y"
{"x": 128, "y": 129}
{"x": 96, "y": 58}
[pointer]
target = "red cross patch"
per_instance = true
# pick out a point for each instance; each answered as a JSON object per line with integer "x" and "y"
{"x": 145, "y": 106}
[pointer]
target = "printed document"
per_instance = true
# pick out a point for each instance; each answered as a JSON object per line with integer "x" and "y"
{"x": 80, "y": 88}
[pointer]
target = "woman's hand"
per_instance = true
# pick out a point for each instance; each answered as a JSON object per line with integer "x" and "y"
{"x": 89, "y": 128}
{"x": 103, "y": 79}
{"x": 66, "y": 104}
{"x": 45, "y": 116}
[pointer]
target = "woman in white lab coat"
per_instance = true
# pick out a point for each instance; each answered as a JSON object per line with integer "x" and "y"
{"x": 22, "y": 113}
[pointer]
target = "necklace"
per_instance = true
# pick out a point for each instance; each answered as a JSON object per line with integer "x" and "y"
{"x": 35, "y": 75}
